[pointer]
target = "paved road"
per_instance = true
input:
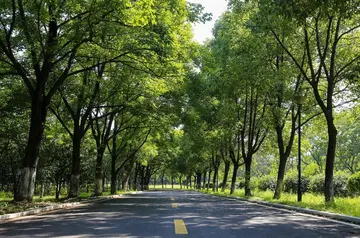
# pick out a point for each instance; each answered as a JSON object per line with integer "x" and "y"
{"x": 165, "y": 213}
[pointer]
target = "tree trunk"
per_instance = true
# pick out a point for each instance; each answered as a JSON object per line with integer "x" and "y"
{"x": 216, "y": 170}
{"x": 330, "y": 159}
{"x": 113, "y": 166}
{"x": 208, "y": 182}
{"x": 75, "y": 170}
{"x": 180, "y": 181}
{"x": 248, "y": 177}
{"x": 280, "y": 177}
{"x": 99, "y": 176}
{"x": 136, "y": 175}
{"x": 204, "y": 180}
{"x": 226, "y": 174}
{"x": 26, "y": 183}
{"x": 42, "y": 190}
{"x": 125, "y": 182}
{"x": 233, "y": 179}
{"x": 172, "y": 182}
{"x": 147, "y": 177}
{"x": 195, "y": 182}
{"x": 113, "y": 177}
{"x": 142, "y": 177}
{"x": 162, "y": 182}
{"x": 198, "y": 180}
{"x": 58, "y": 190}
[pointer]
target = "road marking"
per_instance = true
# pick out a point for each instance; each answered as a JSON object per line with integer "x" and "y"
{"x": 180, "y": 227}
{"x": 172, "y": 199}
{"x": 174, "y": 205}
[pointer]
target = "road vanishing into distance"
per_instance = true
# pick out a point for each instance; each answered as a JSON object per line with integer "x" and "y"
{"x": 175, "y": 214}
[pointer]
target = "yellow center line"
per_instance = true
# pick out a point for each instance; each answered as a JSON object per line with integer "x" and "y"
{"x": 180, "y": 227}
{"x": 174, "y": 205}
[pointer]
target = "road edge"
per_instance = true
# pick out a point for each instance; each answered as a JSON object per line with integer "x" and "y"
{"x": 330, "y": 215}
{"x": 10, "y": 216}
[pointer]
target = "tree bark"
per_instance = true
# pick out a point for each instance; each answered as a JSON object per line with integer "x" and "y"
{"x": 137, "y": 167}
{"x": 216, "y": 170}
{"x": 113, "y": 165}
{"x": 330, "y": 159}
{"x": 198, "y": 180}
{"x": 248, "y": 177}
{"x": 226, "y": 174}
{"x": 113, "y": 177}
{"x": 155, "y": 181}
{"x": 75, "y": 170}
{"x": 208, "y": 182}
{"x": 204, "y": 180}
{"x": 280, "y": 177}
{"x": 233, "y": 179}
{"x": 26, "y": 183}
{"x": 284, "y": 154}
{"x": 99, "y": 188}
{"x": 42, "y": 190}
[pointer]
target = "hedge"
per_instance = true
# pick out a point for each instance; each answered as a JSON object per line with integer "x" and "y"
{"x": 354, "y": 184}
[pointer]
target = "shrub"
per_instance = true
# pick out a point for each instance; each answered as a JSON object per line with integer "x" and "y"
{"x": 311, "y": 170}
{"x": 267, "y": 183}
{"x": 253, "y": 183}
{"x": 317, "y": 184}
{"x": 209, "y": 185}
{"x": 241, "y": 184}
{"x": 226, "y": 185}
{"x": 291, "y": 184}
{"x": 354, "y": 184}
{"x": 5, "y": 194}
{"x": 341, "y": 184}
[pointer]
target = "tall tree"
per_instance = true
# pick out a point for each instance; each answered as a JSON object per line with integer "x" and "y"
{"x": 327, "y": 29}
{"x": 52, "y": 37}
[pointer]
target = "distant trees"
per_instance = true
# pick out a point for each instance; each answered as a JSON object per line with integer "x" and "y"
{"x": 263, "y": 55}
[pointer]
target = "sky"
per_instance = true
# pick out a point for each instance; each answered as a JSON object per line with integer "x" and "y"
{"x": 216, "y": 7}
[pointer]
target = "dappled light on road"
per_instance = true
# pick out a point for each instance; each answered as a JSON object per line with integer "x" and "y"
{"x": 151, "y": 214}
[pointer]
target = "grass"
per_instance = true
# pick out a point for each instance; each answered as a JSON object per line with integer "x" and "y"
{"x": 346, "y": 206}
{"x": 7, "y": 206}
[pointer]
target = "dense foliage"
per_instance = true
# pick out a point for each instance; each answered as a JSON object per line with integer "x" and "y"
{"x": 109, "y": 95}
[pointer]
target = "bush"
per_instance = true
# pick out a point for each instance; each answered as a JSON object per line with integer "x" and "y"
{"x": 267, "y": 183}
{"x": 291, "y": 184}
{"x": 317, "y": 184}
{"x": 354, "y": 184}
{"x": 341, "y": 184}
{"x": 5, "y": 194}
{"x": 226, "y": 185}
{"x": 241, "y": 184}
{"x": 209, "y": 185}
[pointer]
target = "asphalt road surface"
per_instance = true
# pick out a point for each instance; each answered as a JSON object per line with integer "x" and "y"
{"x": 175, "y": 214}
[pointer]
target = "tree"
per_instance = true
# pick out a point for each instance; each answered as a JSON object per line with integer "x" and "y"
{"x": 327, "y": 29}
{"x": 53, "y": 38}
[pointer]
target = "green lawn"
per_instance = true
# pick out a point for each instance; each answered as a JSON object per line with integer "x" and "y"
{"x": 347, "y": 206}
{"x": 6, "y": 206}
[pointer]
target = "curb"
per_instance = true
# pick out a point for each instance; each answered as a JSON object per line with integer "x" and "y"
{"x": 330, "y": 215}
{"x": 10, "y": 216}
